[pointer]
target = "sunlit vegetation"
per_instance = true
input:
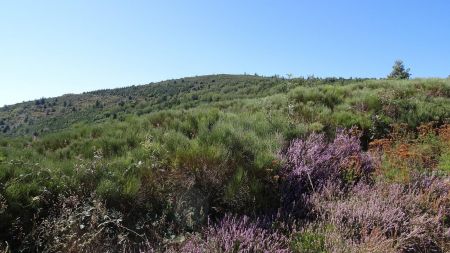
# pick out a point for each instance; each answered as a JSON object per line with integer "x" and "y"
{"x": 168, "y": 166}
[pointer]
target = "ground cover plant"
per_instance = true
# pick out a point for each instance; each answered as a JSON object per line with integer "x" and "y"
{"x": 230, "y": 164}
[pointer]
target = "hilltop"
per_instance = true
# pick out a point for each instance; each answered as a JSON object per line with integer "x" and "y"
{"x": 48, "y": 114}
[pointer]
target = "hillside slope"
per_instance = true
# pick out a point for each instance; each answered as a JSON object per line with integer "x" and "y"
{"x": 48, "y": 114}
{"x": 147, "y": 167}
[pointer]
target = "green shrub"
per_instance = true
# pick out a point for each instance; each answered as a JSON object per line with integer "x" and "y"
{"x": 109, "y": 190}
{"x": 308, "y": 242}
{"x": 132, "y": 186}
{"x": 444, "y": 162}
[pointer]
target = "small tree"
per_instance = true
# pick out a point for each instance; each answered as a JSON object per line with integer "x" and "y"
{"x": 399, "y": 71}
{"x": 98, "y": 104}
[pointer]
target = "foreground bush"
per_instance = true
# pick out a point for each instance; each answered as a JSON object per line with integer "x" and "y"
{"x": 236, "y": 234}
{"x": 385, "y": 217}
{"x": 87, "y": 225}
{"x": 310, "y": 163}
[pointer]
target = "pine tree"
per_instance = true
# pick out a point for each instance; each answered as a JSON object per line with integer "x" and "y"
{"x": 399, "y": 71}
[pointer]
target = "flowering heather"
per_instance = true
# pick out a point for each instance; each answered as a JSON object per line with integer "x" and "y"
{"x": 403, "y": 218}
{"x": 233, "y": 234}
{"x": 312, "y": 162}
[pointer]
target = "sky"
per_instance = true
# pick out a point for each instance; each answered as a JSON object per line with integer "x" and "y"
{"x": 51, "y": 48}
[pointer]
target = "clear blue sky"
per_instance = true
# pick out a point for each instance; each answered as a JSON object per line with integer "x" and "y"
{"x": 48, "y": 48}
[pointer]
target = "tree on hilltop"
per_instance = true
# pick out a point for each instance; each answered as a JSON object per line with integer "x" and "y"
{"x": 399, "y": 71}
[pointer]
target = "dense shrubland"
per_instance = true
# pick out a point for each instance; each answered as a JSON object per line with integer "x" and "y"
{"x": 224, "y": 164}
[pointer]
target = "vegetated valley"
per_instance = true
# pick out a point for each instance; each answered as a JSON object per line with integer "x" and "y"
{"x": 230, "y": 163}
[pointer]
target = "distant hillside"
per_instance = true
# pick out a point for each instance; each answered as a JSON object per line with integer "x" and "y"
{"x": 48, "y": 114}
